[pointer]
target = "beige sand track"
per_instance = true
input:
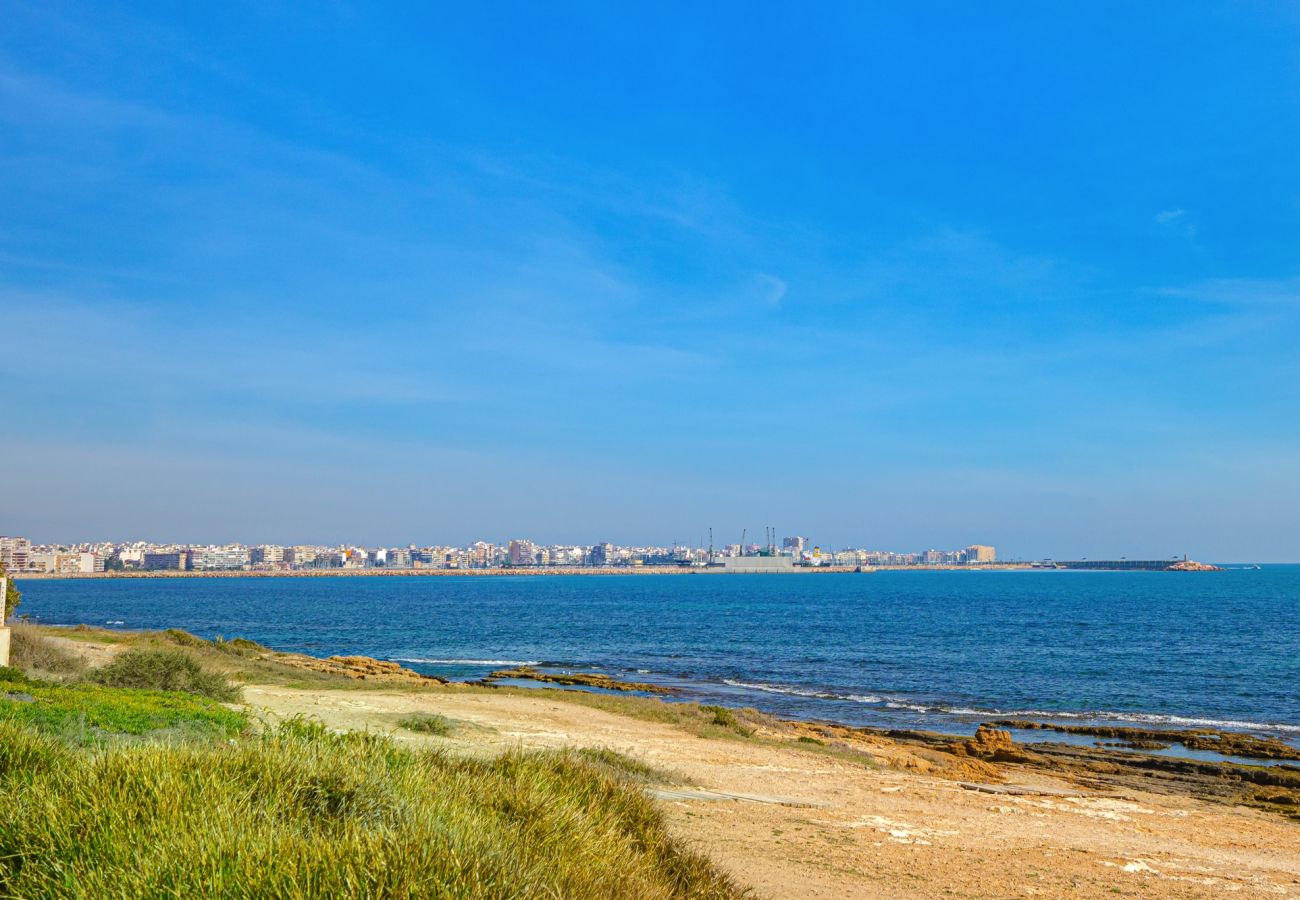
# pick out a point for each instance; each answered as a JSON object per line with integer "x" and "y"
{"x": 794, "y": 823}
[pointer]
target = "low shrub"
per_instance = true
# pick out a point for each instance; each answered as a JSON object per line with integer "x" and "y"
{"x": 428, "y": 723}
{"x": 165, "y": 670}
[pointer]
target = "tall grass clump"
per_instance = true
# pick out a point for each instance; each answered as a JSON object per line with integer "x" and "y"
{"x": 30, "y": 651}
{"x": 165, "y": 670}
{"x": 301, "y": 812}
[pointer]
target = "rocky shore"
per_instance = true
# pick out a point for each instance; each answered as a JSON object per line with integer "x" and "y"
{"x": 577, "y": 679}
{"x": 1226, "y": 743}
{"x": 362, "y": 668}
{"x": 1115, "y": 762}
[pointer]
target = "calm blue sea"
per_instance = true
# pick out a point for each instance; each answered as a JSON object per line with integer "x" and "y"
{"x": 937, "y": 650}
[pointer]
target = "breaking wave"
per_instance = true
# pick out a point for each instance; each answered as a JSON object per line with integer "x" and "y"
{"x": 467, "y": 662}
{"x": 1136, "y": 718}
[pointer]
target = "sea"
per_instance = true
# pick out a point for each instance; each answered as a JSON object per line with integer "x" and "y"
{"x": 934, "y": 650}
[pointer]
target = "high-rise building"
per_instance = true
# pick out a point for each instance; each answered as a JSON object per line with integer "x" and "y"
{"x": 978, "y": 553}
{"x": 15, "y": 553}
{"x": 89, "y": 563}
{"x": 794, "y": 545}
{"x": 522, "y": 553}
{"x": 268, "y": 554}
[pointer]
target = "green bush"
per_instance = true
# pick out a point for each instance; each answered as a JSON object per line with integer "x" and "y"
{"x": 302, "y": 812}
{"x": 428, "y": 723}
{"x": 165, "y": 670}
{"x": 13, "y": 675}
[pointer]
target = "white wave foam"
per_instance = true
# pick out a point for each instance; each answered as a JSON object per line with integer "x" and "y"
{"x": 780, "y": 689}
{"x": 1148, "y": 719}
{"x": 467, "y": 662}
{"x": 820, "y": 695}
{"x": 1079, "y": 715}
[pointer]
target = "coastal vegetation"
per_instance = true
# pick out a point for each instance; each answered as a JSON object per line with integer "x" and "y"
{"x": 428, "y": 723}
{"x": 87, "y": 715}
{"x": 299, "y": 811}
{"x": 165, "y": 670}
{"x": 111, "y": 786}
{"x": 30, "y": 651}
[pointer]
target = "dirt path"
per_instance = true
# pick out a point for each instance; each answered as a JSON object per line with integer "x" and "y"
{"x": 793, "y": 823}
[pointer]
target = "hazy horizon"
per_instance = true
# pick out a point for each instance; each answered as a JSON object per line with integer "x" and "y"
{"x": 887, "y": 277}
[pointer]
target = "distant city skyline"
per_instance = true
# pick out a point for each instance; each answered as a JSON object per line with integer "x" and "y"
{"x": 20, "y": 555}
{"x": 624, "y": 272}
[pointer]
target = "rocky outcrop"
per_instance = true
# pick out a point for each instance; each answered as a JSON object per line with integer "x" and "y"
{"x": 360, "y": 667}
{"x": 579, "y": 679}
{"x": 994, "y": 745}
{"x": 1228, "y": 743}
{"x": 1191, "y": 565}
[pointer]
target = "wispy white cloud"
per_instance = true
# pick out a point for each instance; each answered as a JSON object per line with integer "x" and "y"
{"x": 772, "y": 290}
{"x": 1177, "y": 221}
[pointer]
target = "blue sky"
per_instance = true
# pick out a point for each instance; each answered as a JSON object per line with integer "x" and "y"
{"x": 896, "y": 276}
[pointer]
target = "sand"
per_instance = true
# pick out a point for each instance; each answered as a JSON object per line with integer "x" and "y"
{"x": 795, "y": 823}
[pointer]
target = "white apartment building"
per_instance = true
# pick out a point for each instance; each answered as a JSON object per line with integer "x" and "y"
{"x": 15, "y": 553}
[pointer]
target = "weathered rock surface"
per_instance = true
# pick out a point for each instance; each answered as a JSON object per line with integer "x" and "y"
{"x": 1191, "y": 565}
{"x": 1229, "y": 743}
{"x": 994, "y": 745}
{"x": 578, "y": 679}
{"x": 359, "y": 667}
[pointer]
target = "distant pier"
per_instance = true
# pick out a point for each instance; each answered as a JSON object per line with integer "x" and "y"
{"x": 1134, "y": 565}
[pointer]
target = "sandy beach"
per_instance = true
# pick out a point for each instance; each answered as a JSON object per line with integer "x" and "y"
{"x": 793, "y": 823}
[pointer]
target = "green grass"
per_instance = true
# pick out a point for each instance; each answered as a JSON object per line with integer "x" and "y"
{"x": 428, "y": 723}
{"x": 167, "y": 670}
{"x": 81, "y": 714}
{"x": 301, "y": 812}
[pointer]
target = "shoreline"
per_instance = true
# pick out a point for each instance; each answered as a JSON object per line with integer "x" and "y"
{"x": 545, "y": 571}
{"x": 796, "y": 808}
{"x": 1072, "y": 729}
{"x": 1183, "y": 743}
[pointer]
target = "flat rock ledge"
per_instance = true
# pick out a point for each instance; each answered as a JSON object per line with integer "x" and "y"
{"x": 363, "y": 668}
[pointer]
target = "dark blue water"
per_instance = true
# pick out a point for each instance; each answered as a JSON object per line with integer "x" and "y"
{"x": 940, "y": 650}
